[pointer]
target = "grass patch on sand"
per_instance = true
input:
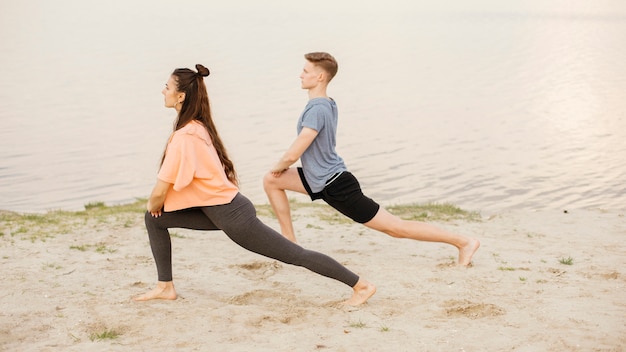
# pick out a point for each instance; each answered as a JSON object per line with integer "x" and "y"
{"x": 358, "y": 325}
{"x": 433, "y": 212}
{"x": 100, "y": 247}
{"x": 39, "y": 227}
{"x": 418, "y": 212}
{"x": 104, "y": 335}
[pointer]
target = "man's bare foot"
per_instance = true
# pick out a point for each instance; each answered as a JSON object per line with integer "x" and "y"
{"x": 467, "y": 252}
{"x": 363, "y": 290}
{"x": 164, "y": 290}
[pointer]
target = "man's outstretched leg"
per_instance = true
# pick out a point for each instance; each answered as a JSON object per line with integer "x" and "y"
{"x": 420, "y": 231}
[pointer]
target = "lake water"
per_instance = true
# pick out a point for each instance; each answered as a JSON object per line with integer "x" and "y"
{"x": 489, "y": 105}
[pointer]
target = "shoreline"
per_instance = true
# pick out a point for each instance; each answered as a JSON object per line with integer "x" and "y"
{"x": 544, "y": 280}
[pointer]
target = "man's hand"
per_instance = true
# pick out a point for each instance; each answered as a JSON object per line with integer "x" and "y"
{"x": 277, "y": 172}
{"x": 302, "y": 142}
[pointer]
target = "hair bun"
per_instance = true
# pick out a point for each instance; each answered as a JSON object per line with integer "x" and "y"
{"x": 202, "y": 71}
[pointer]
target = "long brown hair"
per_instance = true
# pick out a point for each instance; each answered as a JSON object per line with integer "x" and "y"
{"x": 196, "y": 106}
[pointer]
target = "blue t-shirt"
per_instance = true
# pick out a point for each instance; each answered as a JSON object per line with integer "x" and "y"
{"x": 320, "y": 160}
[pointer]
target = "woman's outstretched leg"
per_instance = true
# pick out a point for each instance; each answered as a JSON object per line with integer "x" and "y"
{"x": 238, "y": 220}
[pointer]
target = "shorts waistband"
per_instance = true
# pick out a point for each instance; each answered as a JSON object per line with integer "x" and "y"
{"x": 333, "y": 177}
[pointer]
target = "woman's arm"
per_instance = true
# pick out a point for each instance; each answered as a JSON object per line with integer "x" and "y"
{"x": 302, "y": 142}
{"x": 157, "y": 198}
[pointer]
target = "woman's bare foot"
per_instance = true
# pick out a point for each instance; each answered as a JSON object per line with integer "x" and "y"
{"x": 467, "y": 252}
{"x": 363, "y": 290}
{"x": 164, "y": 290}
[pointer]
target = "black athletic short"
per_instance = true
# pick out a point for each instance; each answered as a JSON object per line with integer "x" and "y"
{"x": 344, "y": 193}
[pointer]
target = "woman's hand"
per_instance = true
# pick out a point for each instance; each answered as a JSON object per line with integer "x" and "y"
{"x": 157, "y": 198}
{"x": 156, "y": 213}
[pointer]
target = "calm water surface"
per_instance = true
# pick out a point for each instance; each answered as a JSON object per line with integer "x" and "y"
{"x": 485, "y": 105}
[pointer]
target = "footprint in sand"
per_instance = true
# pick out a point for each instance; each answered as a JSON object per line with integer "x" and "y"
{"x": 471, "y": 310}
{"x": 257, "y": 269}
{"x": 264, "y": 298}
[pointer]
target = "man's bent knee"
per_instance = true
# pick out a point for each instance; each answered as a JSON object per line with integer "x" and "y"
{"x": 269, "y": 181}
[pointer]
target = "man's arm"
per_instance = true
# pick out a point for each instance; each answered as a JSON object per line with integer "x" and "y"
{"x": 302, "y": 142}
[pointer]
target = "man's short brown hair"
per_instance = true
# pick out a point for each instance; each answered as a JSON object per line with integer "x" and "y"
{"x": 324, "y": 60}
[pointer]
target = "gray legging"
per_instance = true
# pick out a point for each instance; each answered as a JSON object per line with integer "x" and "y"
{"x": 239, "y": 221}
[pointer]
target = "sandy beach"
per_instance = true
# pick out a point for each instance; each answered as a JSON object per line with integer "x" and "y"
{"x": 541, "y": 281}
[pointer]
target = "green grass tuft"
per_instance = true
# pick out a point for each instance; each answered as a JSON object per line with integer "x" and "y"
{"x": 105, "y": 335}
{"x": 358, "y": 325}
{"x": 94, "y": 205}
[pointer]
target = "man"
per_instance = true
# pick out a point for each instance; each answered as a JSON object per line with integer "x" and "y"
{"x": 324, "y": 175}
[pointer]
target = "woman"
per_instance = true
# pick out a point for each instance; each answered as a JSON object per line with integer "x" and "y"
{"x": 197, "y": 189}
